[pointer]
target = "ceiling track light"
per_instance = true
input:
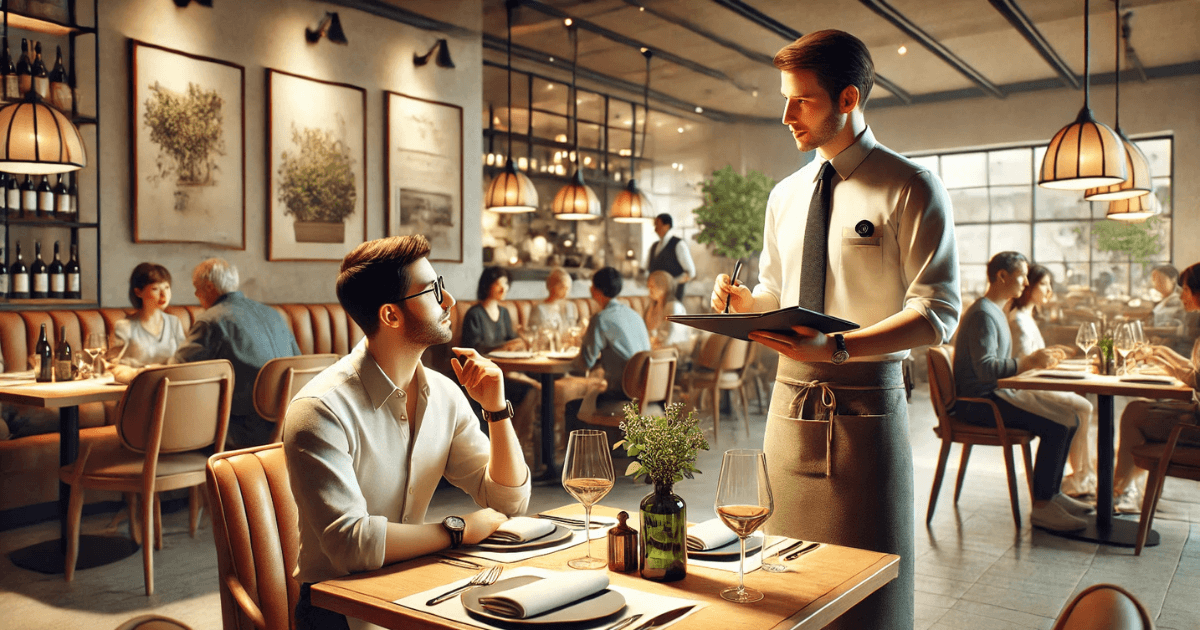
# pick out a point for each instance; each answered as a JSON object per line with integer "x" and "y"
{"x": 511, "y": 191}
{"x": 330, "y": 28}
{"x": 442, "y": 59}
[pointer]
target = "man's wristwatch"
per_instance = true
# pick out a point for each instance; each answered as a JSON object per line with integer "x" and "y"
{"x": 497, "y": 416}
{"x": 454, "y": 525}
{"x": 840, "y": 355}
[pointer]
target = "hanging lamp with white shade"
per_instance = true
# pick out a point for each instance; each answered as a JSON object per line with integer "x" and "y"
{"x": 1086, "y": 153}
{"x": 511, "y": 191}
{"x": 632, "y": 205}
{"x": 576, "y": 201}
{"x": 1134, "y": 209}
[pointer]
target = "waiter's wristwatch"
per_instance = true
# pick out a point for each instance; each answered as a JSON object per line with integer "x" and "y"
{"x": 840, "y": 355}
{"x": 454, "y": 525}
{"x": 497, "y": 416}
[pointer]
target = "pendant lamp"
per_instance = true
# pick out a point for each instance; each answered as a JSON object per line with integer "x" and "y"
{"x": 511, "y": 191}
{"x": 1137, "y": 166}
{"x": 1086, "y": 153}
{"x": 1134, "y": 209}
{"x": 576, "y": 201}
{"x": 632, "y": 205}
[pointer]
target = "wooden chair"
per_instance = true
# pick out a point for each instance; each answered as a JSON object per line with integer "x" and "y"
{"x": 257, "y": 533}
{"x": 943, "y": 394}
{"x": 1104, "y": 607}
{"x": 279, "y": 380}
{"x": 649, "y": 378}
{"x": 169, "y": 417}
{"x": 721, "y": 366}
{"x": 1165, "y": 459}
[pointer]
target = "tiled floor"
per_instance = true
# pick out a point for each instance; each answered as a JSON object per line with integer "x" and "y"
{"x": 974, "y": 570}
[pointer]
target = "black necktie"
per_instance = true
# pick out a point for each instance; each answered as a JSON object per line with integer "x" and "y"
{"x": 815, "y": 258}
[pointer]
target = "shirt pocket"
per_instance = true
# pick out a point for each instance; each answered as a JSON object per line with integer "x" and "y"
{"x": 861, "y": 256}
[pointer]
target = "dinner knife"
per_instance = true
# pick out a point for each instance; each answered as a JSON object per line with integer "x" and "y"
{"x": 624, "y": 623}
{"x": 803, "y": 551}
{"x": 665, "y": 618}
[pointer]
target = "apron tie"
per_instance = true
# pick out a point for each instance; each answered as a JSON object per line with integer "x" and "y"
{"x": 823, "y": 411}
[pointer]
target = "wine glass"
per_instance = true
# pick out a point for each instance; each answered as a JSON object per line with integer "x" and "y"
{"x": 528, "y": 334}
{"x": 1086, "y": 338}
{"x": 1139, "y": 337}
{"x": 1123, "y": 344}
{"x": 773, "y": 535}
{"x": 744, "y": 503}
{"x": 588, "y": 475}
{"x": 95, "y": 347}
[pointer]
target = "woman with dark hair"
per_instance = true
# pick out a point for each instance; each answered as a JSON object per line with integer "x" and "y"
{"x": 487, "y": 326}
{"x": 1073, "y": 408}
{"x": 1169, "y": 310}
{"x": 150, "y": 335}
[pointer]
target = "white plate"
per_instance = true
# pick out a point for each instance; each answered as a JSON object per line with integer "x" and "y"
{"x": 511, "y": 354}
{"x": 1067, "y": 374}
{"x": 1149, "y": 379}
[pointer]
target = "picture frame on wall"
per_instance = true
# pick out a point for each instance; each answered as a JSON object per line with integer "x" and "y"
{"x": 188, "y": 149}
{"x": 317, "y": 148}
{"x": 424, "y": 172}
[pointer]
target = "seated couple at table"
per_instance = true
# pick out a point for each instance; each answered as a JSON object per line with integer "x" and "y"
{"x": 369, "y": 438}
{"x": 983, "y": 355}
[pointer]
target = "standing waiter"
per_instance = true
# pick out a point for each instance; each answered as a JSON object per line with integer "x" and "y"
{"x": 671, "y": 255}
{"x": 866, "y": 235}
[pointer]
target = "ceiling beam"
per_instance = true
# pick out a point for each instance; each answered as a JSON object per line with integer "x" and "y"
{"x": 404, "y": 16}
{"x": 901, "y": 21}
{"x": 752, "y": 55}
{"x": 790, "y": 34}
{"x": 1025, "y": 26}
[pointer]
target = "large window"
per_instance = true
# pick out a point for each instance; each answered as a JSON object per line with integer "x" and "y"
{"x": 999, "y": 206}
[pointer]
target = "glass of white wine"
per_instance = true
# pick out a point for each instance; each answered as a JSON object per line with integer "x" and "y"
{"x": 588, "y": 475}
{"x": 743, "y": 503}
{"x": 1124, "y": 343}
{"x": 95, "y": 346}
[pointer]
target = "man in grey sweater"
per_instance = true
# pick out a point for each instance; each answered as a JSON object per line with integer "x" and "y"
{"x": 983, "y": 355}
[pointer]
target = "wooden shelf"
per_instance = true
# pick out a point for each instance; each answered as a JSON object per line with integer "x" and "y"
{"x": 45, "y": 304}
{"x": 42, "y": 25}
{"x": 48, "y": 222}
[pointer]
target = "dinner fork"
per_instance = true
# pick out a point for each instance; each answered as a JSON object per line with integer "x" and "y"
{"x": 483, "y": 578}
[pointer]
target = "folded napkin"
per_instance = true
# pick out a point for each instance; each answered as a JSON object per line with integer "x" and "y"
{"x": 521, "y": 529}
{"x": 709, "y": 535}
{"x": 538, "y": 597}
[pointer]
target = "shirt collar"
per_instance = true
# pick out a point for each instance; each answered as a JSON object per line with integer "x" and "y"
{"x": 379, "y": 385}
{"x": 666, "y": 237}
{"x": 846, "y": 162}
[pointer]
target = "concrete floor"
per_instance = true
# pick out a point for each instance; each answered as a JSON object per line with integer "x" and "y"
{"x": 974, "y": 570}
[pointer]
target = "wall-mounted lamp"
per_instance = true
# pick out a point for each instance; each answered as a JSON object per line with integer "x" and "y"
{"x": 330, "y": 28}
{"x": 182, "y": 4}
{"x": 442, "y": 59}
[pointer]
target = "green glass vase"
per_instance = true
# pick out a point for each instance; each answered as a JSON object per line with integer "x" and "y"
{"x": 664, "y": 535}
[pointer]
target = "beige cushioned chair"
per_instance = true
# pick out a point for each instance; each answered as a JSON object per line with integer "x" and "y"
{"x": 721, "y": 365}
{"x": 1104, "y": 607}
{"x": 278, "y": 381}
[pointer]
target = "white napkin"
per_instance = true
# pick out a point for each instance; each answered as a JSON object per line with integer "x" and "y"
{"x": 709, "y": 535}
{"x": 538, "y": 597}
{"x": 521, "y": 529}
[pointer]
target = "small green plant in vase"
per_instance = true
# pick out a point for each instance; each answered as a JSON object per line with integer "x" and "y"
{"x": 664, "y": 449}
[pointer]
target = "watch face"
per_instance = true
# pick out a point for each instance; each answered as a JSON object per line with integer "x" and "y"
{"x": 455, "y": 522}
{"x": 840, "y": 356}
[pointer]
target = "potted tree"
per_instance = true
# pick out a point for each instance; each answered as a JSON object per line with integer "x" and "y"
{"x": 316, "y": 184}
{"x": 734, "y": 211}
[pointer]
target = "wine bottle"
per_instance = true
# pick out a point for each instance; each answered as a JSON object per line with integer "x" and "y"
{"x": 45, "y": 198}
{"x": 28, "y": 197}
{"x": 3, "y": 194}
{"x": 24, "y": 71}
{"x": 58, "y": 276}
{"x": 62, "y": 200}
{"x": 74, "y": 288}
{"x": 73, "y": 194}
{"x": 11, "y": 89}
{"x": 12, "y": 196}
{"x": 45, "y": 356}
{"x": 3, "y": 275}
{"x": 60, "y": 88}
{"x": 62, "y": 358}
{"x": 41, "y": 78}
{"x": 20, "y": 278}
{"x": 38, "y": 276}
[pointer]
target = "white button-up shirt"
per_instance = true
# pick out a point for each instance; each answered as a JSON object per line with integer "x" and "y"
{"x": 357, "y": 462}
{"x": 910, "y": 261}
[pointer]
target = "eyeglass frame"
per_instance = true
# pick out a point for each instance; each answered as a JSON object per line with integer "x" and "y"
{"x": 438, "y": 288}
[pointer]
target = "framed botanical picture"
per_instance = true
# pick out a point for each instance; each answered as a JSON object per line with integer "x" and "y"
{"x": 316, "y": 194}
{"x": 424, "y": 168}
{"x": 188, "y": 135}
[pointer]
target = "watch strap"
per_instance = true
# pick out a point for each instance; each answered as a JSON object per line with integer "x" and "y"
{"x": 503, "y": 414}
{"x": 456, "y": 533}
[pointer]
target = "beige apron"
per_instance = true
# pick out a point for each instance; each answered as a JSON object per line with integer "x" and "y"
{"x": 841, "y": 471}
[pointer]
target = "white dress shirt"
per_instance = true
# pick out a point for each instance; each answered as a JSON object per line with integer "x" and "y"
{"x": 910, "y": 261}
{"x": 357, "y": 462}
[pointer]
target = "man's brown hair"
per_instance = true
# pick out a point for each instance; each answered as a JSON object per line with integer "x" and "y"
{"x": 373, "y": 275}
{"x": 838, "y": 58}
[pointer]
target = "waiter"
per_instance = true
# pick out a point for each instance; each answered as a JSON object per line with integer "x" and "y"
{"x": 671, "y": 254}
{"x": 863, "y": 234}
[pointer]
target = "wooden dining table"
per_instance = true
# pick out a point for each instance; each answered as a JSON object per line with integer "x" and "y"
{"x": 66, "y": 396}
{"x": 1104, "y": 529}
{"x": 547, "y": 368}
{"x": 817, "y": 588}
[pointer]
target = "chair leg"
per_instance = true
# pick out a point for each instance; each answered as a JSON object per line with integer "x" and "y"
{"x": 1028, "y": 467}
{"x": 157, "y": 521}
{"x": 937, "y": 480}
{"x": 1154, "y": 489}
{"x": 148, "y": 549}
{"x": 135, "y": 527}
{"x": 745, "y": 409}
{"x": 74, "y": 514}
{"x": 195, "y": 496}
{"x": 1011, "y": 468}
{"x": 716, "y": 401}
{"x": 962, "y": 471}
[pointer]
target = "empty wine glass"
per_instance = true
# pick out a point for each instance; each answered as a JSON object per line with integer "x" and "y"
{"x": 1139, "y": 337}
{"x": 1086, "y": 338}
{"x": 744, "y": 503}
{"x": 1123, "y": 344}
{"x": 528, "y": 334}
{"x": 95, "y": 346}
{"x": 588, "y": 475}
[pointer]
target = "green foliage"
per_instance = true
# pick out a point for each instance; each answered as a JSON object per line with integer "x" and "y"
{"x": 665, "y": 447}
{"x": 734, "y": 211}
{"x": 1140, "y": 241}
{"x": 316, "y": 183}
{"x": 187, "y": 127}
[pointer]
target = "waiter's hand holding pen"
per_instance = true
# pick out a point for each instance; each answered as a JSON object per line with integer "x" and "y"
{"x": 731, "y": 296}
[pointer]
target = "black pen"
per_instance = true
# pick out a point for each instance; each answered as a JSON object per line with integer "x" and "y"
{"x": 733, "y": 283}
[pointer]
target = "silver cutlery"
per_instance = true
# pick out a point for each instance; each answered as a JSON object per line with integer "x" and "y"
{"x": 624, "y": 623}
{"x": 665, "y": 618}
{"x": 483, "y": 578}
{"x": 792, "y": 547}
{"x": 575, "y": 522}
{"x": 803, "y": 551}
{"x": 460, "y": 562}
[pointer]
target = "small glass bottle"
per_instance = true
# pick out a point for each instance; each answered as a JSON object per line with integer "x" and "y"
{"x": 622, "y": 546}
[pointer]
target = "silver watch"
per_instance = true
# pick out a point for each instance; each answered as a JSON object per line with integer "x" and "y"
{"x": 840, "y": 355}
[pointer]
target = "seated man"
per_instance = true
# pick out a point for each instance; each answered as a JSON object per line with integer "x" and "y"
{"x": 614, "y": 334}
{"x": 983, "y": 355}
{"x": 369, "y": 438}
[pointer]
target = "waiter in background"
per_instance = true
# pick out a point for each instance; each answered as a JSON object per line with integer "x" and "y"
{"x": 671, "y": 254}
{"x": 863, "y": 234}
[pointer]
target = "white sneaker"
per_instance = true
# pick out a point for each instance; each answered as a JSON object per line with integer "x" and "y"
{"x": 1074, "y": 506}
{"x": 1054, "y": 517}
{"x": 1128, "y": 502}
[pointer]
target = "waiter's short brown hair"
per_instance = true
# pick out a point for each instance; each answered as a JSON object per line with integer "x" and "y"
{"x": 838, "y": 58}
{"x": 373, "y": 275}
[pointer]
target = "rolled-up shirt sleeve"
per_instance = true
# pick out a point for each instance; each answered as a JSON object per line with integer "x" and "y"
{"x": 467, "y": 468}
{"x": 929, "y": 254}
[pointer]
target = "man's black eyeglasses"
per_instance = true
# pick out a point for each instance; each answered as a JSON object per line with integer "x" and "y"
{"x": 438, "y": 288}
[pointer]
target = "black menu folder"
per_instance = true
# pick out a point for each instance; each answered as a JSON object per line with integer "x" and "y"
{"x": 740, "y": 325}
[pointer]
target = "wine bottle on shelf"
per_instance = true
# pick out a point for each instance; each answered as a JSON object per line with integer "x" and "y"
{"x": 24, "y": 71}
{"x": 3, "y": 193}
{"x": 45, "y": 372}
{"x": 74, "y": 284}
{"x": 62, "y": 358}
{"x": 41, "y": 78}
{"x": 20, "y": 278}
{"x": 45, "y": 198}
{"x": 11, "y": 89}
{"x": 60, "y": 87}
{"x": 38, "y": 276}
{"x": 58, "y": 276}
{"x": 62, "y": 200}
{"x": 73, "y": 195}
{"x": 28, "y": 197}
{"x": 3, "y": 275}
{"x": 12, "y": 196}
